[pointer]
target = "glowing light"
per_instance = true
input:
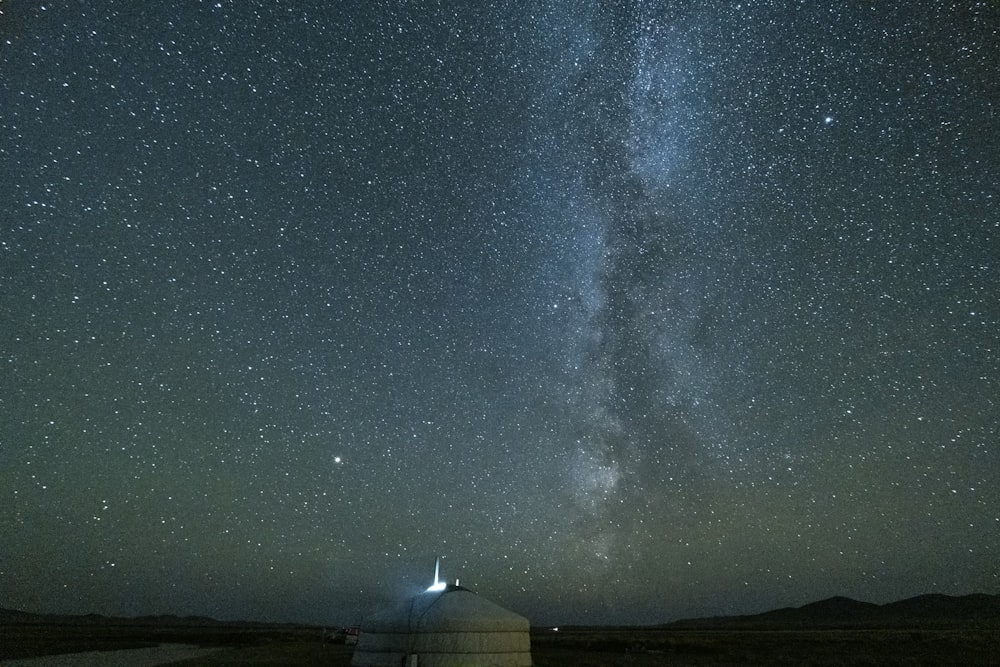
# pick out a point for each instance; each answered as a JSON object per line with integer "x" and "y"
{"x": 438, "y": 585}
{"x": 337, "y": 459}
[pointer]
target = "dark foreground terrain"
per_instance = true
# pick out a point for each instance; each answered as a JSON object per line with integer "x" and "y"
{"x": 591, "y": 648}
{"x": 925, "y": 630}
{"x": 28, "y": 640}
{"x": 580, "y": 647}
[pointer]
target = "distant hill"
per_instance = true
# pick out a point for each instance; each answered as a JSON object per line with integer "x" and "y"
{"x": 933, "y": 610}
{"x": 840, "y": 612}
{"x": 16, "y": 617}
{"x": 9, "y": 616}
{"x": 933, "y": 606}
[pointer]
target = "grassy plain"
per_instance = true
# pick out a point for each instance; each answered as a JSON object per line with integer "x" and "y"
{"x": 579, "y": 647}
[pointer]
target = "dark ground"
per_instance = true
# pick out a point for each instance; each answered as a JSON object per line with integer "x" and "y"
{"x": 583, "y": 647}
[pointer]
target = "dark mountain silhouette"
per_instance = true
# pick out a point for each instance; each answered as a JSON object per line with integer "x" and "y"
{"x": 11, "y": 616}
{"x": 966, "y": 607}
{"x": 840, "y": 612}
{"x": 933, "y": 610}
{"x": 833, "y": 609}
{"x": 16, "y": 617}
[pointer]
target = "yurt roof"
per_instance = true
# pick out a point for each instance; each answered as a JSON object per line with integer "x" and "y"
{"x": 454, "y": 609}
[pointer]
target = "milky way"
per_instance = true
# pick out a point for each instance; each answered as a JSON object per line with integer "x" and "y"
{"x": 631, "y": 312}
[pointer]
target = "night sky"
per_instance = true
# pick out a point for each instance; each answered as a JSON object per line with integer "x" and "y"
{"x": 632, "y": 311}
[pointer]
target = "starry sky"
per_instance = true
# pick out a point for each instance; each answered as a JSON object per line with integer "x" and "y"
{"x": 632, "y": 311}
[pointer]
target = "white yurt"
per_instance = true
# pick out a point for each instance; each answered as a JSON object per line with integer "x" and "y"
{"x": 445, "y": 626}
